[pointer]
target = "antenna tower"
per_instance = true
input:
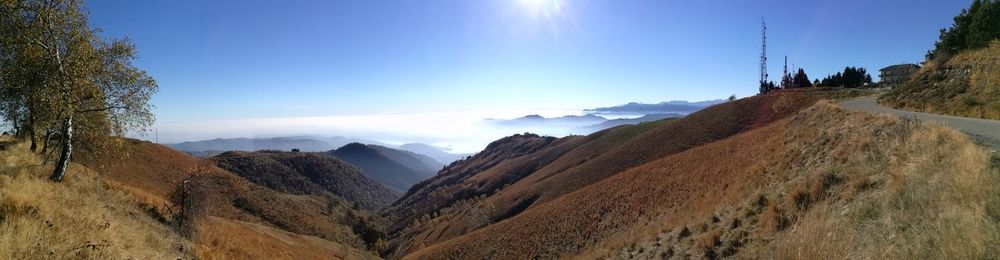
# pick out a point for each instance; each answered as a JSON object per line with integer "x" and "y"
{"x": 763, "y": 57}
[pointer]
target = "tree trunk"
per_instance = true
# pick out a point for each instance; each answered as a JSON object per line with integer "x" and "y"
{"x": 34, "y": 141}
{"x": 45, "y": 142}
{"x": 67, "y": 151}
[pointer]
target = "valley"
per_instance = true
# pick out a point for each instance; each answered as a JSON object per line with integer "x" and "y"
{"x": 528, "y": 129}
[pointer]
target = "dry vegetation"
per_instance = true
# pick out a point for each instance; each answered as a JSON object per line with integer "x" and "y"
{"x": 823, "y": 184}
{"x": 187, "y": 193}
{"x": 230, "y": 239}
{"x": 965, "y": 85}
{"x": 308, "y": 174}
{"x": 80, "y": 218}
{"x": 912, "y": 192}
{"x": 449, "y": 185}
{"x": 575, "y": 162}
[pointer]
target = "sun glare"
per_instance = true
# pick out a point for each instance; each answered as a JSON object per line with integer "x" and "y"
{"x": 547, "y": 8}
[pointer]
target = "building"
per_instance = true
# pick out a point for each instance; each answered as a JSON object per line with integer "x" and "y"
{"x": 896, "y": 74}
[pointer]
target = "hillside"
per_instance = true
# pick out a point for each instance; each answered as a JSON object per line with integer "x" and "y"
{"x": 80, "y": 218}
{"x": 456, "y": 194}
{"x": 966, "y": 85}
{"x": 784, "y": 190}
{"x": 307, "y": 174}
{"x": 495, "y": 153}
{"x": 186, "y": 193}
{"x": 395, "y": 169}
{"x": 577, "y": 164}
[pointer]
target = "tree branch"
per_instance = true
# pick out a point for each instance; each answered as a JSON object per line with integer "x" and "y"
{"x": 100, "y": 109}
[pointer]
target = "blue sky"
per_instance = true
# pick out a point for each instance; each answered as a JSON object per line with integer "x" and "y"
{"x": 228, "y": 60}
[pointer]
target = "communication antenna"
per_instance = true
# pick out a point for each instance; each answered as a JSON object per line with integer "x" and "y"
{"x": 763, "y": 57}
{"x": 786, "y": 73}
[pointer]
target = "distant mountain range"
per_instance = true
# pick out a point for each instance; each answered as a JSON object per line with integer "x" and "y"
{"x": 563, "y": 121}
{"x": 208, "y": 148}
{"x": 571, "y": 124}
{"x": 681, "y": 107}
{"x": 439, "y": 154}
{"x": 254, "y": 144}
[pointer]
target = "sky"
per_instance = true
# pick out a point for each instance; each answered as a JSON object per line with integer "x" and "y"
{"x": 265, "y": 68}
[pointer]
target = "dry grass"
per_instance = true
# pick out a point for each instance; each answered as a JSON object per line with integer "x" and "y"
{"x": 229, "y": 239}
{"x": 940, "y": 202}
{"x": 828, "y": 184}
{"x": 966, "y": 85}
{"x": 82, "y": 218}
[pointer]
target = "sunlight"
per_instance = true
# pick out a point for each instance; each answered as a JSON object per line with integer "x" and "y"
{"x": 544, "y": 8}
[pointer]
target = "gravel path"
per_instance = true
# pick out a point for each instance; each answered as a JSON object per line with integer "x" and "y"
{"x": 986, "y": 132}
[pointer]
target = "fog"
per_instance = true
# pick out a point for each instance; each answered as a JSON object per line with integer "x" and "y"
{"x": 463, "y": 132}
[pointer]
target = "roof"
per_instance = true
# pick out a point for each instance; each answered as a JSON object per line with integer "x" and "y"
{"x": 900, "y": 66}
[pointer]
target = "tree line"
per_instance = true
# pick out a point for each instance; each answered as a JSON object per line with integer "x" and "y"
{"x": 62, "y": 86}
{"x": 851, "y": 78}
{"x": 973, "y": 28}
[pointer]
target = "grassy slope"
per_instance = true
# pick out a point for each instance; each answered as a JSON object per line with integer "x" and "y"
{"x": 451, "y": 185}
{"x": 966, "y": 85}
{"x": 601, "y": 155}
{"x": 157, "y": 175}
{"x": 469, "y": 192}
{"x": 233, "y": 239}
{"x": 82, "y": 217}
{"x": 654, "y": 201}
{"x": 706, "y": 126}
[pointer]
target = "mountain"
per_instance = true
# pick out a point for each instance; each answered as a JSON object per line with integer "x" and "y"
{"x": 533, "y": 175}
{"x": 225, "y": 215}
{"x": 681, "y": 107}
{"x": 254, "y": 144}
{"x": 537, "y": 120}
{"x": 417, "y": 162}
{"x": 626, "y": 121}
{"x": 439, "y": 154}
{"x": 799, "y": 176}
{"x": 396, "y": 169}
{"x": 307, "y": 174}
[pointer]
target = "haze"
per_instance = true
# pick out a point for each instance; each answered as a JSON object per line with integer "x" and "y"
{"x": 430, "y": 69}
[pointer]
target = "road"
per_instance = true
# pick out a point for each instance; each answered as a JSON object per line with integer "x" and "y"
{"x": 986, "y": 132}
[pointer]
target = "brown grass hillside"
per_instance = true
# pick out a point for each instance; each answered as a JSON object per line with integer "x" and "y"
{"x": 600, "y": 156}
{"x": 446, "y": 189}
{"x": 458, "y": 201}
{"x": 711, "y": 124}
{"x": 233, "y": 239}
{"x": 470, "y": 214}
{"x": 966, "y": 85}
{"x": 185, "y": 192}
{"x": 80, "y": 218}
{"x": 823, "y": 184}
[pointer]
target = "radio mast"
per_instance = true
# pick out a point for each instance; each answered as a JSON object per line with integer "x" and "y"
{"x": 764, "y": 88}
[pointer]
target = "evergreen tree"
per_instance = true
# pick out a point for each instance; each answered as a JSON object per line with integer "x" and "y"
{"x": 972, "y": 28}
{"x": 801, "y": 80}
{"x": 851, "y": 77}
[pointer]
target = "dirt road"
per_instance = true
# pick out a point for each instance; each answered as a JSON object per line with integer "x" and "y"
{"x": 986, "y": 132}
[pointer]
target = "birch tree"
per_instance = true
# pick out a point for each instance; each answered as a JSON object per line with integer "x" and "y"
{"x": 55, "y": 69}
